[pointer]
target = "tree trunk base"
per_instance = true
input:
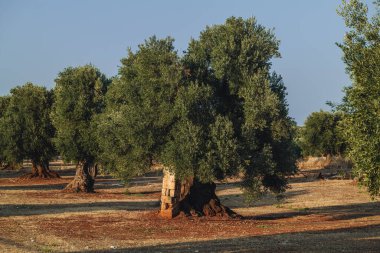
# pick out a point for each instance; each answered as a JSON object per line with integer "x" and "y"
{"x": 80, "y": 185}
{"x": 202, "y": 201}
{"x": 40, "y": 171}
{"x": 83, "y": 180}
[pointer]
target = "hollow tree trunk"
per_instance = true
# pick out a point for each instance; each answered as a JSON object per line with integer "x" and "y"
{"x": 202, "y": 201}
{"x": 41, "y": 170}
{"x": 84, "y": 178}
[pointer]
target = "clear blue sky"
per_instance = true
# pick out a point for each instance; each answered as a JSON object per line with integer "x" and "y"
{"x": 39, "y": 38}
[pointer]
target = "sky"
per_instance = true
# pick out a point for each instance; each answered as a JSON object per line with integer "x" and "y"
{"x": 39, "y": 38}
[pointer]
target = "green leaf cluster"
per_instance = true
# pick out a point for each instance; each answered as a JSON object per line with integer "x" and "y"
{"x": 361, "y": 54}
{"x": 322, "y": 134}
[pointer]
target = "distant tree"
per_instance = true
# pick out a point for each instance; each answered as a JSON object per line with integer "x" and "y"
{"x": 26, "y": 129}
{"x": 213, "y": 114}
{"x": 322, "y": 135}
{"x": 361, "y": 54}
{"x": 4, "y": 163}
{"x": 79, "y": 98}
{"x": 4, "y": 101}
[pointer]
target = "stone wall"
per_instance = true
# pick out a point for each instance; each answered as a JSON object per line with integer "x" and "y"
{"x": 173, "y": 191}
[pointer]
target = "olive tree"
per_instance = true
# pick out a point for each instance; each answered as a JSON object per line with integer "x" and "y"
{"x": 361, "y": 54}
{"x": 322, "y": 135}
{"x": 216, "y": 112}
{"x": 79, "y": 98}
{"x": 26, "y": 129}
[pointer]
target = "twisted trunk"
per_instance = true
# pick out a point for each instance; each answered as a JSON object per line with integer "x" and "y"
{"x": 84, "y": 178}
{"x": 41, "y": 170}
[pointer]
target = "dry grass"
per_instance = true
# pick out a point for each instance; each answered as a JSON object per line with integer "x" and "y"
{"x": 329, "y": 167}
{"x": 332, "y": 162}
{"x": 316, "y": 216}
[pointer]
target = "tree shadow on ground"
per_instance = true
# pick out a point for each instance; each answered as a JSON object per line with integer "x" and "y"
{"x": 57, "y": 184}
{"x": 101, "y": 182}
{"x": 339, "y": 212}
{"x": 327, "y": 173}
{"x": 16, "y": 173}
{"x": 34, "y": 187}
{"x": 143, "y": 181}
{"x": 237, "y": 200}
{"x": 227, "y": 186}
{"x": 10, "y": 173}
{"x": 9, "y": 210}
{"x": 355, "y": 239}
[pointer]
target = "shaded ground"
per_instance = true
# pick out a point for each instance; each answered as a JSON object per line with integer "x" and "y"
{"x": 316, "y": 216}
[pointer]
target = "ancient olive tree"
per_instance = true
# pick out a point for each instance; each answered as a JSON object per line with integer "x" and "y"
{"x": 26, "y": 129}
{"x": 215, "y": 113}
{"x": 361, "y": 54}
{"x": 322, "y": 134}
{"x": 79, "y": 98}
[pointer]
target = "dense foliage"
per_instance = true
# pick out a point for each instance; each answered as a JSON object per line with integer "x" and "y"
{"x": 79, "y": 98}
{"x": 25, "y": 125}
{"x": 322, "y": 134}
{"x": 216, "y": 112}
{"x": 361, "y": 48}
{"x": 79, "y": 94}
{"x": 140, "y": 108}
{"x": 4, "y": 101}
{"x": 233, "y": 60}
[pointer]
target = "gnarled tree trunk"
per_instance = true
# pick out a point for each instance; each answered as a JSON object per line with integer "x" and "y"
{"x": 190, "y": 197}
{"x": 202, "y": 201}
{"x": 84, "y": 179}
{"x": 41, "y": 170}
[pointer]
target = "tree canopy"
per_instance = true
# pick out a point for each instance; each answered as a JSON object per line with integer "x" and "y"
{"x": 234, "y": 60}
{"x": 4, "y": 101}
{"x": 26, "y": 128}
{"x": 139, "y": 112}
{"x": 322, "y": 134}
{"x": 361, "y": 49}
{"x": 215, "y": 112}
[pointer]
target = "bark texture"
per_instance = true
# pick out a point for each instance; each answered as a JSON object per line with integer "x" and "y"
{"x": 41, "y": 170}
{"x": 202, "y": 201}
{"x": 84, "y": 179}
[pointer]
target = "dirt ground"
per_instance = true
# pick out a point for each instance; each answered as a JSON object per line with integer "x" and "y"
{"x": 317, "y": 215}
